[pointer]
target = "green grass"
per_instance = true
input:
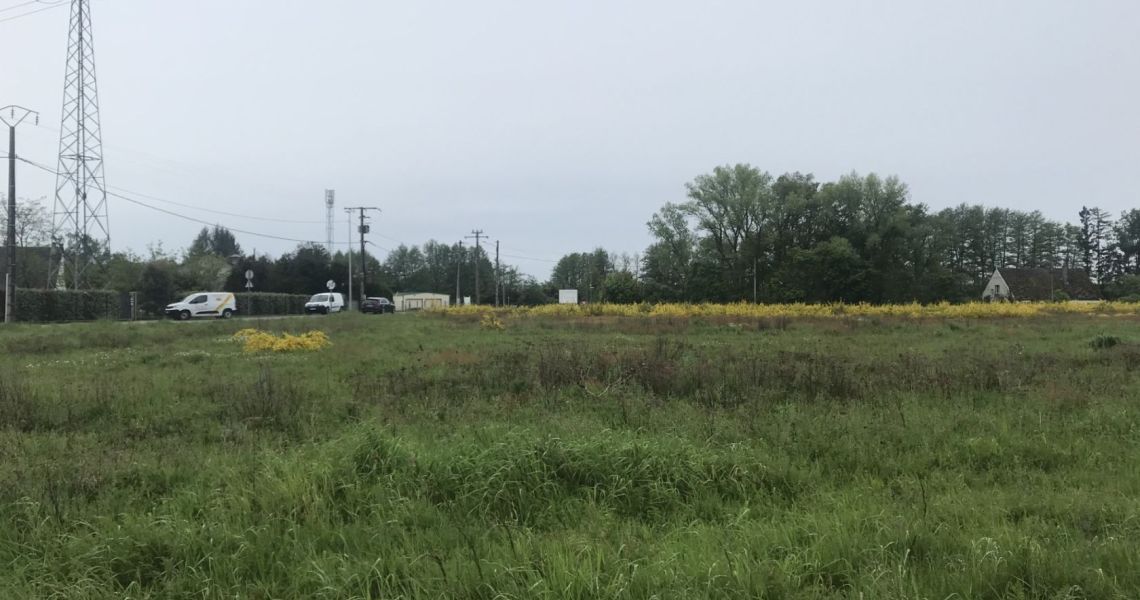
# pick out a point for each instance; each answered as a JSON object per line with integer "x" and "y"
{"x": 425, "y": 457}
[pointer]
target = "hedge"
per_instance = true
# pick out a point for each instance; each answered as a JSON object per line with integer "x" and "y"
{"x": 265, "y": 303}
{"x": 67, "y": 305}
{"x": 90, "y": 305}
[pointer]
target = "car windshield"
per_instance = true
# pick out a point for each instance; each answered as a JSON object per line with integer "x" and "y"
{"x": 319, "y": 298}
{"x": 187, "y": 299}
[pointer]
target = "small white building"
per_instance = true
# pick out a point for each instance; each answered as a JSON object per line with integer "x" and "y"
{"x": 409, "y": 301}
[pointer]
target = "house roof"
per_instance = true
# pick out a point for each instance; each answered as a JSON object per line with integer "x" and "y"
{"x": 1038, "y": 284}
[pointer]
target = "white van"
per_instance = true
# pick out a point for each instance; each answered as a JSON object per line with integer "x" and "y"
{"x": 203, "y": 304}
{"x": 326, "y": 303}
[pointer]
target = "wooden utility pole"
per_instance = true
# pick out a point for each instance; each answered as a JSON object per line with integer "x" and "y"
{"x": 363, "y": 229}
{"x": 477, "y": 234}
{"x": 458, "y": 265}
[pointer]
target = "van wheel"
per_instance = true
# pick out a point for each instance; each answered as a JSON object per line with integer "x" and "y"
{"x": 324, "y": 310}
{"x": 227, "y": 313}
{"x": 184, "y": 315}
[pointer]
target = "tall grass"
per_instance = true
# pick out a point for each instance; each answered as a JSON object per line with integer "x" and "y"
{"x": 433, "y": 458}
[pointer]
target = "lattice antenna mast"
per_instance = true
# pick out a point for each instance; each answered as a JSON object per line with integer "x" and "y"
{"x": 330, "y": 200}
{"x": 79, "y": 219}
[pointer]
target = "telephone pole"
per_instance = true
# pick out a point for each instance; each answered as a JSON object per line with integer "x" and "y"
{"x": 348, "y": 211}
{"x": 458, "y": 264}
{"x": 498, "y": 278}
{"x": 477, "y": 233}
{"x": 363, "y": 229}
{"x": 12, "y": 116}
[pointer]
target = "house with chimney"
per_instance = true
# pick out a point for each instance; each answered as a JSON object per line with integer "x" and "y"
{"x": 1040, "y": 285}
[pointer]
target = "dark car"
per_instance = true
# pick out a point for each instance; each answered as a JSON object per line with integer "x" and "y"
{"x": 377, "y": 305}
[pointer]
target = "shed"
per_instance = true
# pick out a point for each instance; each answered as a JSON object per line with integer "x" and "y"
{"x": 407, "y": 301}
{"x": 1039, "y": 285}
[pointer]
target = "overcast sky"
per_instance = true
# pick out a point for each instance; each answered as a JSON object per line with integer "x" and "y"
{"x": 560, "y": 126}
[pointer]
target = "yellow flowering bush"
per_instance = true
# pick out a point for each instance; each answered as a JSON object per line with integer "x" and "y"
{"x": 975, "y": 310}
{"x": 256, "y": 340}
{"x": 491, "y": 321}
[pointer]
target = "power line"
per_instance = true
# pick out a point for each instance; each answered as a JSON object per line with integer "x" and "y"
{"x": 547, "y": 260}
{"x": 122, "y": 196}
{"x": 210, "y": 210}
{"x": 190, "y": 206}
{"x": 31, "y": 12}
{"x": 182, "y": 216}
{"x": 15, "y": 6}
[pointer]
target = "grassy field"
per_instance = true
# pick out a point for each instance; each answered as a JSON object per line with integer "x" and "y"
{"x": 574, "y": 457}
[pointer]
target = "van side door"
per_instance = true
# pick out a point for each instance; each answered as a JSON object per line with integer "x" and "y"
{"x": 198, "y": 305}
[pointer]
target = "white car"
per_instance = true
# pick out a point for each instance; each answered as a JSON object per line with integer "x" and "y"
{"x": 325, "y": 303}
{"x": 203, "y": 304}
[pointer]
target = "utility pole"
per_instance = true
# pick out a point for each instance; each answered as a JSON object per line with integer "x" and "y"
{"x": 498, "y": 279}
{"x": 348, "y": 211}
{"x": 458, "y": 264}
{"x": 12, "y": 116}
{"x": 477, "y": 233}
{"x": 363, "y": 229}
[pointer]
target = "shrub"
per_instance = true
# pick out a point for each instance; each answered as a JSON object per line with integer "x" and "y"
{"x": 66, "y": 305}
{"x": 264, "y": 303}
{"x": 255, "y": 340}
{"x": 1103, "y": 342}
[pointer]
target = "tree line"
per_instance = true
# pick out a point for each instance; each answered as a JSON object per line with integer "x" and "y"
{"x": 742, "y": 234}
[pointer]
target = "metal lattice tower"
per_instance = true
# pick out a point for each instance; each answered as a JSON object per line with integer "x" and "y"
{"x": 330, "y": 200}
{"x": 79, "y": 219}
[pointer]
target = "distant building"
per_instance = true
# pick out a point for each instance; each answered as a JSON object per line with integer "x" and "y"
{"x": 420, "y": 301}
{"x": 1040, "y": 285}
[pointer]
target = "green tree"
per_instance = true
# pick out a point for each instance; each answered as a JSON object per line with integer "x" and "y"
{"x": 668, "y": 263}
{"x": 156, "y": 286}
{"x": 583, "y": 271}
{"x": 621, "y": 287}
{"x": 217, "y": 241}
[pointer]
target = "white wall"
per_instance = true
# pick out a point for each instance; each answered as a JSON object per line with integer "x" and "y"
{"x": 996, "y": 288}
{"x": 405, "y": 302}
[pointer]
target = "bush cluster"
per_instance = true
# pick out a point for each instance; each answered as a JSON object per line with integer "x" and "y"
{"x": 33, "y": 305}
{"x": 255, "y": 340}
{"x": 265, "y": 303}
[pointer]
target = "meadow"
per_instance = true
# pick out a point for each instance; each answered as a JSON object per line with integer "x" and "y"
{"x": 576, "y": 453}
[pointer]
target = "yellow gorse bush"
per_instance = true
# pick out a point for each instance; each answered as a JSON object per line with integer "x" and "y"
{"x": 490, "y": 321}
{"x": 976, "y": 310}
{"x": 256, "y": 340}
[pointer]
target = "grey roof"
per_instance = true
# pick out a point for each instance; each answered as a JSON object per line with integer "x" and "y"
{"x": 1039, "y": 284}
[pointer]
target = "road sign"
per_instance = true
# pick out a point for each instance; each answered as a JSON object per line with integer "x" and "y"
{"x": 331, "y": 285}
{"x": 249, "y": 274}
